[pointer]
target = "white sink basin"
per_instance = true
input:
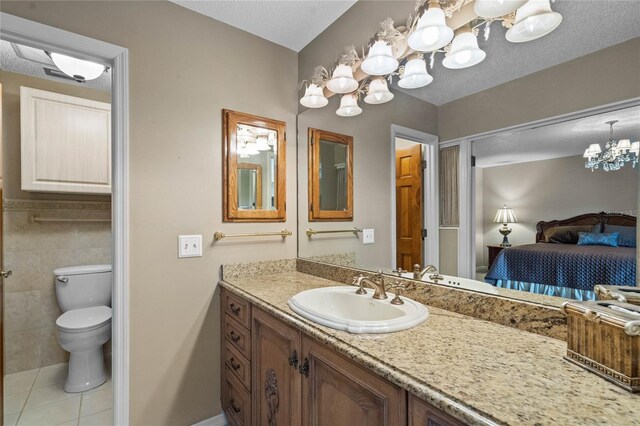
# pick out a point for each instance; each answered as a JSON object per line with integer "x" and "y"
{"x": 343, "y": 309}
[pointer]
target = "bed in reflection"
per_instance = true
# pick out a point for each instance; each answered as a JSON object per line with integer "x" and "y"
{"x": 570, "y": 257}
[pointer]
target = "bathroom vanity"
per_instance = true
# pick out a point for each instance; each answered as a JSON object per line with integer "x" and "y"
{"x": 280, "y": 368}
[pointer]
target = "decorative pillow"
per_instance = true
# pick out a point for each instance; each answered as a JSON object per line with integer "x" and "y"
{"x": 627, "y": 236}
{"x": 568, "y": 234}
{"x": 598, "y": 239}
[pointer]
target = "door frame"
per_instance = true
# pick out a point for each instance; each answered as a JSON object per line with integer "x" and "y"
{"x": 41, "y": 36}
{"x": 430, "y": 210}
{"x": 467, "y": 232}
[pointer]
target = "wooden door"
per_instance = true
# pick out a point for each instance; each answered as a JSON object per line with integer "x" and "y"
{"x": 409, "y": 207}
{"x": 275, "y": 382}
{"x": 338, "y": 392}
{"x": 1, "y": 267}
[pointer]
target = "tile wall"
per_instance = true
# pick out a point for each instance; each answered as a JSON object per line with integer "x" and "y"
{"x": 32, "y": 251}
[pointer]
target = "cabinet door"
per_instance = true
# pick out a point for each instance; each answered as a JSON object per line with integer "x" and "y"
{"x": 275, "y": 382}
{"x": 423, "y": 414}
{"x": 338, "y": 392}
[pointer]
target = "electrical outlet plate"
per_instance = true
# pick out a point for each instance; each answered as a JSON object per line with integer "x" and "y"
{"x": 189, "y": 246}
{"x": 367, "y": 236}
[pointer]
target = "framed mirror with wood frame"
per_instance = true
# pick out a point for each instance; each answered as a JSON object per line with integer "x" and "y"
{"x": 330, "y": 176}
{"x": 254, "y": 168}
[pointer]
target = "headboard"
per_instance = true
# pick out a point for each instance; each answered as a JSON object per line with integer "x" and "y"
{"x": 585, "y": 219}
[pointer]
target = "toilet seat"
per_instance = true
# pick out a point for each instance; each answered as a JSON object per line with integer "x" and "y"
{"x": 85, "y": 319}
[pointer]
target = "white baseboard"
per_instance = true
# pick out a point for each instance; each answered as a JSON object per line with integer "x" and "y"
{"x": 219, "y": 420}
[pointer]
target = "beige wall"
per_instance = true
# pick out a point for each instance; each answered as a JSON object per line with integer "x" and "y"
{"x": 184, "y": 68}
{"x": 11, "y": 83}
{"x": 553, "y": 189}
{"x": 603, "y": 77}
{"x": 449, "y": 251}
{"x": 481, "y": 259}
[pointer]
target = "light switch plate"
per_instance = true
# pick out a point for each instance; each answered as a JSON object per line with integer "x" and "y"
{"x": 189, "y": 245}
{"x": 367, "y": 236}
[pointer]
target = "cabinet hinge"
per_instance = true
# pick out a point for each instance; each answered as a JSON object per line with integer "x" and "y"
{"x": 423, "y": 164}
{"x": 424, "y": 233}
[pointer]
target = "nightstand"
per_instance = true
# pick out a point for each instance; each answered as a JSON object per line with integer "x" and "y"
{"x": 493, "y": 253}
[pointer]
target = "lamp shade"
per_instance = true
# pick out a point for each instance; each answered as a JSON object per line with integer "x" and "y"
{"x": 432, "y": 32}
{"x": 533, "y": 20}
{"x": 635, "y": 147}
{"x": 505, "y": 215}
{"x": 464, "y": 52}
{"x": 380, "y": 60}
{"x": 77, "y": 68}
{"x": 594, "y": 148}
{"x": 342, "y": 80}
{"x": 378, "y": 92}
{"x": 348, "y": 106}
{"x": 624, "y": 145}
{"x": 496, "y": 8}
{"x": 314, "y": 97}
{"x": 415, "y": 74}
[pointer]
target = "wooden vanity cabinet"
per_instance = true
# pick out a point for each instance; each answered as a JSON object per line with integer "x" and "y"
{"x": 422, "y": 413}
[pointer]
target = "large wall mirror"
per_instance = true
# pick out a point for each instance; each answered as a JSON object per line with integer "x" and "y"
{"x": 525, "y": 151}
{"x": 254, "y": 168}
{"x": 330, "y": 176}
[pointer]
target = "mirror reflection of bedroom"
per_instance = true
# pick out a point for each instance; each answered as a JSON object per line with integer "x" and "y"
{"x": 549, "y": 218}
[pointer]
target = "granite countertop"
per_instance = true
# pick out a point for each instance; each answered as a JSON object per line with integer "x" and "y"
{"x": 475, "y": 370}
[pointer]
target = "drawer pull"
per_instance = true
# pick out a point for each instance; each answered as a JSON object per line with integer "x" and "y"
{"x": 234, "y": 364}
{"x": 234, "y": 336}
{"x": 293, "y": 359}
{"x": 304, "y": 368}
{"x": 234, "y": 407}
{"x": 235, "y": 309}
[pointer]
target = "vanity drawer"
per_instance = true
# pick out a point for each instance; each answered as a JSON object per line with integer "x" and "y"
{"x": 238, "y": 365}
{"x": 237, "y": 308}
{"x": 238, "y": 336}
{"x": 421, "y": 413}
{"x": 237, "y": 401}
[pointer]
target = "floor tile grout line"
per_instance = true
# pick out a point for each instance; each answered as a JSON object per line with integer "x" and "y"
{"x": 28, "y": 396}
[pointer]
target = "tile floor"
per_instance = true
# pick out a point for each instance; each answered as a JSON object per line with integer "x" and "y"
{"x": 36, "y": 398}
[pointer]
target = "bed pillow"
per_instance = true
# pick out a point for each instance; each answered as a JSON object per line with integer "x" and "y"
{"x": 627, "y": 237}
{"x": 568, "y": 234}
{"x": 598, "y": 239}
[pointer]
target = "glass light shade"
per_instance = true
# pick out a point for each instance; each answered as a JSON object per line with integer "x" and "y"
{"x": 77, "y": 68}
{"x": 261, "y": 144}
{"x": 587, "y": 153}
{"x": 415, "y": 74}
{"x": 380, "y": 60}
{"x": 464, "y": 52}
{"x": 496, "y": 8}
{"x": 624, "y": 145}
{"x": 314, "y": 97}
{"x": 533, "y": 20}
{"x": 431, "y": 33}
{"x": 594, "y": 148}
{"x": 272, "y": 137}
{"x": 348, "y": 106}
{"x": 505, "y": 215}
{"x": 342, "y": 80}
{"x": 251, "y": 149}
{"x": 378, "y": 92}
{"x": 635, "y": 148}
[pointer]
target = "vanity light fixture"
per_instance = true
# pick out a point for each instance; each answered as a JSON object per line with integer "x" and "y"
{"x": 415, "y": 74}
{"x": 496, "y": 8}
{"x": 314, "y": 97}
{"x": 432, "y": 32}
{"x": 505, "y": 215}
{"x": 78, "y": 69}
{"x": 378, "y": 92}
{"x": 380, "y": 60}
{"x": 464, "y": 52}
{"x": 349, "y": 106}
{"x": 342, "y": 80}
{"x": 533, "y": 20}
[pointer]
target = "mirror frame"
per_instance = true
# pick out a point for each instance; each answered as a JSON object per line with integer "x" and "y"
{"x": 315, "y": 213}
{"x": 230, "y": 210}
{"x": 258, "y": 169}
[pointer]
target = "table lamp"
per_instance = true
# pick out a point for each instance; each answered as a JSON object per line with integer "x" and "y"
{"x": 505, "y": 215}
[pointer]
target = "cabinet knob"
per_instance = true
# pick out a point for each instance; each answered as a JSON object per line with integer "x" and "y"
{"x": 304, "y": 368}
{"x": 235, "y": 309}
{"x": 293, "y": 359}
{"x": 234, "y": 406}
{"x": 234, "y": 364}
{"x": 234, "y": 336}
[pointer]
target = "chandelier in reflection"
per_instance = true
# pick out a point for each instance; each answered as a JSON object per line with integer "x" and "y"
{"x": 615, "y": 155}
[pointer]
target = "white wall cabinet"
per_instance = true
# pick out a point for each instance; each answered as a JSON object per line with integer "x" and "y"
{"x": 65, "y": 143}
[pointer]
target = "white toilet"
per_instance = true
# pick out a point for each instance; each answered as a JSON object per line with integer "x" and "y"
{"x": 84, "y": 295}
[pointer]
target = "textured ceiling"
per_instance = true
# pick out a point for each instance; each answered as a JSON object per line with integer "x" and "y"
{"x": 292, "y": 24}
{"x": 587, "y": 26}
{"x": 9, "y": 61}
{"x": 556, "y": 140}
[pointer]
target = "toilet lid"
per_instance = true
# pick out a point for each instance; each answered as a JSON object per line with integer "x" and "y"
{"x": 84, "y": 319}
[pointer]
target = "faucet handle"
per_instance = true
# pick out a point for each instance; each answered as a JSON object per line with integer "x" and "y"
{"x": 358, "y": 280}
{"x": 399, "y": 287}
{"x": 436, "y": 277}
{"x": 416, "y": 267}
{"x": 399, "y": 271}
{"x": 355, "y": 279}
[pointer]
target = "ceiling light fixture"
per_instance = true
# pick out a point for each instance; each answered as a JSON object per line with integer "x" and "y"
{"x": 349, "y": 106}
{"x": 79, "y": 69}
{"x": 429, "y": 29}
{"x": 615, "y": 155}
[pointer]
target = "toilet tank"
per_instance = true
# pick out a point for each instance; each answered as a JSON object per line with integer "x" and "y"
{"x": 83, "y": 286}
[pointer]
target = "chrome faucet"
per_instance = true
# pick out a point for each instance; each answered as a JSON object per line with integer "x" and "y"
{"x": 418, "y": 274}
{"x": 376, "y": 282}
